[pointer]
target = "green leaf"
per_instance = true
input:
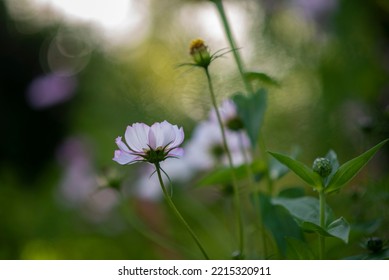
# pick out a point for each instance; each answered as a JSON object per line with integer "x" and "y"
{"x": 262, "y": 78}
{"x": 300, "y": 169}
{"x": 223, "y": 175}
{"x": 277, "y": 221}
{"x": 350, "y": 169}
{"x": 298, "y": 250}
{"x": 306, "y": 212}
{"x": 251, "y": 110}
{"x": 277, "y": 169}
{"x": 303, "y": 209}
{"x": 339, "y": 228}
{"x": 292, "y": 192}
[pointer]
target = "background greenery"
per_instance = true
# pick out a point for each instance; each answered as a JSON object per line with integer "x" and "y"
{"x": 331, "y": 61}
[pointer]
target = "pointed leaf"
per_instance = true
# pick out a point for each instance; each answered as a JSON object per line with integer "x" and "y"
{"x": 350, "y": 169}
{"x": 300, "y": 169}
{"x": 251, "y": 109}
{"x": 262, "y": 78}
{"x": 306, "y": 212}
{"x": 339, "y": 228}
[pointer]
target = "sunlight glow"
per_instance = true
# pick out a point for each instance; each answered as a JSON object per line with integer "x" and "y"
{"x": 115, "y": 19}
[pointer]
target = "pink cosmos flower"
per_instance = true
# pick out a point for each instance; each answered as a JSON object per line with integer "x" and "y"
{"x": 150, "y": 144}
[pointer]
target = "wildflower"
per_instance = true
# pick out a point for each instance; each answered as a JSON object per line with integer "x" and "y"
{"x": 205, "y": 150}
{"x": 150, "y": 144}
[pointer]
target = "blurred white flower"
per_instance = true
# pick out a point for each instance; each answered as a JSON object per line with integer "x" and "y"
{"x": 205, "y": 149}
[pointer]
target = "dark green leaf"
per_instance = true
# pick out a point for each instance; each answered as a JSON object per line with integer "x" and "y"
{"x": 306, "y": 212}
{"x": 278, "y": 222}
{"x": 292, "y": 192}
{"x": 300, "y": 169}
{"x": 304, "y": 209}
{"x": 298, "y": 250}
{"x": 277, "y": 169}
{"x": 351, "y": 168}
{"x": 263, "y": 78}
{"x": 251, "y": 110}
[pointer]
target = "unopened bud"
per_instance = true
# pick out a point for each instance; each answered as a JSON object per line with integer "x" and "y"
{"x": 200, "y": 53}
{"x": 322, "y": 166}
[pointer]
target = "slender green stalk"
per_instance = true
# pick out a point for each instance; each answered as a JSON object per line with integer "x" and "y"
{"x": 230, "y": 162}
{"x": 231, "y": 41}
{"x": 322, "y": 200}
{"x": 178, "y": 214}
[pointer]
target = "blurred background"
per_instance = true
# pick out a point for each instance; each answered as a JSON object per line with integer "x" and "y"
{"x": 74, "y": 74}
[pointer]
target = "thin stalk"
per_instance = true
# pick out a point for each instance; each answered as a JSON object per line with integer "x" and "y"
{"x": 178, "y": 214}
{"x": 231, "y": 41}
{"x": 265, "y": 155}
{"x": 230, "y": 162}
{"x": 322, "y": 202}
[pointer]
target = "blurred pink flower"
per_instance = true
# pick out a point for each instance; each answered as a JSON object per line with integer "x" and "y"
{"x": 79, "y": 185}
{"x": 50, "y": 89}
{"x": 150, "y": 144}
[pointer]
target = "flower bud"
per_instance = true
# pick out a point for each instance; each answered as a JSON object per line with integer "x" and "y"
{"x": 200, "y": 53}
{"x": 322, "y": 166}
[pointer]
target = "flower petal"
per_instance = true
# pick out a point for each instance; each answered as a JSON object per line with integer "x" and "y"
{"x": 178, "y": 135}
{"x": 122, "y": 157}
{"x": 122, "y": 146}
{"x": 168, "y": 133}
{"x": 177, "y": 152}
{"x": 137, "y": 136}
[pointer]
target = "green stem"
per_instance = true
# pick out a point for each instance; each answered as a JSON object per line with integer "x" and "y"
{"x": 322, "y": 200}
{"x": 178, "y": 214}
{"x": 230, "y": 162}
{"x": 231, "y": 41}
{"x": 266, "y": 160}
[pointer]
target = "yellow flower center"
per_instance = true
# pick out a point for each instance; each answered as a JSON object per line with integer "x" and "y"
{"x": 196, "y": 46}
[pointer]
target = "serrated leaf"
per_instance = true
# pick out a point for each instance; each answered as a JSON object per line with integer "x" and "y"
{"x": 251, "y": 110}
{"x": 300, "y": 169}
{"x": 262, "y": 78}
{"x": 350, "y": 169}
{"x": 223, "y": 175}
